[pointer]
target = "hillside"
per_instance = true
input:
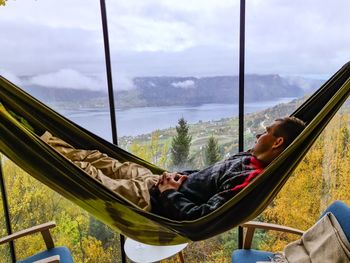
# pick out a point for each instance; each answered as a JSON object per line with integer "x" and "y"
{"x": 224, "y": 130}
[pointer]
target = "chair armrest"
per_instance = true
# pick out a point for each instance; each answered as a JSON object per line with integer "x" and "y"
{"x": 252, "y": 225}
{"x": 53, "y": 259}
{"x": 43, "y": 228}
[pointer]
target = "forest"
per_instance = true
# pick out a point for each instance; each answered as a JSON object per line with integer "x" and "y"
{"x": 318, "y": 180}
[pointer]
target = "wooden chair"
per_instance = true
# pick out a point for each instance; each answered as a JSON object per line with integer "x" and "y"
{"x": 52, "y": 254}
{"x": 247, "y": 255}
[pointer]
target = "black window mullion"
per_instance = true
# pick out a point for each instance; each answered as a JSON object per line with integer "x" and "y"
{"x": 6, "y": 211}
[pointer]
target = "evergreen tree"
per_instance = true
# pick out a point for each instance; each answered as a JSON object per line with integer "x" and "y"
{"x": 180, "y": 145}
{"x": 212, "y": 151}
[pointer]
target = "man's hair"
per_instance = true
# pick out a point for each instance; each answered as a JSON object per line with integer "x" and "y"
{"x": 289, "y": 128}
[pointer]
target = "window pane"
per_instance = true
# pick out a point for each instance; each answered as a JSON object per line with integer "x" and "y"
{"x": 292, "y": 48}
{"x": 174, "y": 59}
{"x": 54, "y": 50}
{"x": 5, "y": 248}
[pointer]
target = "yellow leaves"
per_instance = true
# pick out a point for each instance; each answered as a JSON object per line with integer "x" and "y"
{"x": 32, "y": 203}
{"x": 277, "y": 241}
{"x": 321, "y": 178}
{"x": 29, "y": 245}
{"x": 154, "y": 151}
{"x": 2, "y": 2}
{"x": 94, "y": 251}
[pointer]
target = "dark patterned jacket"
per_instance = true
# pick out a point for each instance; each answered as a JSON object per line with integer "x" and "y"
{"x": 207, "y": 189}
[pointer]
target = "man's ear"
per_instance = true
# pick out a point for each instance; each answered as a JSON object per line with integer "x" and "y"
{"x": 278, "y": 143}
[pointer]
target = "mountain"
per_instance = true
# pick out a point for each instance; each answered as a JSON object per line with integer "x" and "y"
{"x": 306, "y": 84}
{"x": 54, "y": 94}
{"x": 158, "y": 91}
{"x": 165, "y": 91}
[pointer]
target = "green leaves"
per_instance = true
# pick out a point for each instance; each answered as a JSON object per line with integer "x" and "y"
{"x": 180, "y": 145}
{"x": 212, "y": 151}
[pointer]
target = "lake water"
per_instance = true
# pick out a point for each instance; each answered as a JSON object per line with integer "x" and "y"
{"x": 137, "y": 121}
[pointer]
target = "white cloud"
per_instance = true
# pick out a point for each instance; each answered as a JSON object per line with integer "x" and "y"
{"x": 30, "y": 49}
{"x": 68, "y": 78}
{"x": 151, "y": 83}
{"x": 174, "y": 37}
{"x": 187, "y": 84}
{"x": 82, "y": 14}
{"x": 205, "y": 7}
{"x": 11, "y": 77}
{"x": 122, "y": 81}
{"x": 146, "y": 34}
{"x": 171, "y": 26}
{"x": 310, "y": 43}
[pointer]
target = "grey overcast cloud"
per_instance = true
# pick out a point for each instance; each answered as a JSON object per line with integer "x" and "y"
{"x": 60, "y": 42}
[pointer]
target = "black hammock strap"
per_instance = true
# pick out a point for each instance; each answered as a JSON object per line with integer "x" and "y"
{"x": 23, "y": 147}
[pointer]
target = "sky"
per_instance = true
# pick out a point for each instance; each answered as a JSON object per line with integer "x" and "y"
{"x": 60, "y": 42}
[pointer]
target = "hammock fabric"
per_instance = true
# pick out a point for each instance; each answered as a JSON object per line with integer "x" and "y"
{"x": 24, "y": 147}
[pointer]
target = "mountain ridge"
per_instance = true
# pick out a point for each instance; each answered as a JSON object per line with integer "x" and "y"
{"x": 171, "y": 91}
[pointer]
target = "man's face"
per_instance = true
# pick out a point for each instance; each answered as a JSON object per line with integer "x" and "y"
{"x": 265, "y": 141}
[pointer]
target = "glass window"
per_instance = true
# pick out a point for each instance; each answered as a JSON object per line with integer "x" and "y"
{"x": 173, "y": 60}
{"x": 4, "y": 249}
{"x": 54, "y": 50}
{"x": 291, "y": 50}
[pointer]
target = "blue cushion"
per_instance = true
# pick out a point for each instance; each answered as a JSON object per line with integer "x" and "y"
{"x": 342, "y": 212}
{"x": 250, "y": 255}
{"x": 63, "y": 252}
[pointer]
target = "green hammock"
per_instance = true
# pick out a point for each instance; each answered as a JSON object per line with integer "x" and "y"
{"x": 23, "y": 146}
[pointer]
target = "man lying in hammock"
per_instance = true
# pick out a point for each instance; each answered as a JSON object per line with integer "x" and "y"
{"x": 184, "y": 196}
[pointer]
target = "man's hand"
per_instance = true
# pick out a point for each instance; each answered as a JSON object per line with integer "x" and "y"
{"x": 166, "y": 176}
{"x": 170, "y": 181}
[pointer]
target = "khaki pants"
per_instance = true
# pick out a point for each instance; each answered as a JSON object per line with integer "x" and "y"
{"x": 130, "y": 180}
